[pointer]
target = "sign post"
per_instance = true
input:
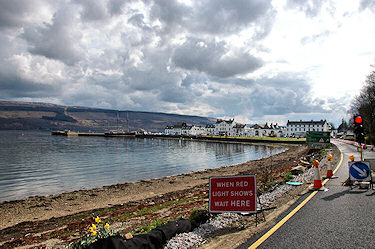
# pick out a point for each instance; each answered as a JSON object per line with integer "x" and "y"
{"x": 318, "y": 138}
{"x": 235, "y": 194}
{"x": 360, "y": 171}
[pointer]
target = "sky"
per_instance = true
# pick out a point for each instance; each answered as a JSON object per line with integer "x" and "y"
{"x": 255, "y": 61}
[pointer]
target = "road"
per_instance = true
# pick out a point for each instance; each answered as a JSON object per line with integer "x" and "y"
{"x": 340, "y": 217}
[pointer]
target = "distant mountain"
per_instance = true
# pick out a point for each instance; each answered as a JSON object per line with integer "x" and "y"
{"x": 43, "y": 116}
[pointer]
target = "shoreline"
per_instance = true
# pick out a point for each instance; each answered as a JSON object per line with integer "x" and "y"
{"x": 45, "y": 207}
{"x": 83, "y": 189}
{"x": 55, "y": 221}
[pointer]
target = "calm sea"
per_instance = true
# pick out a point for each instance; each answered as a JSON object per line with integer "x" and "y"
{"x": 36, "y": 163}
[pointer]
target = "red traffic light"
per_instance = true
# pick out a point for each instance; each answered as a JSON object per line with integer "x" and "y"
{"x": 358, "y": 120}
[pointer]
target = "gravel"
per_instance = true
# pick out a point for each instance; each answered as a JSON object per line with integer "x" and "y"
{"x": 224, "y": 220}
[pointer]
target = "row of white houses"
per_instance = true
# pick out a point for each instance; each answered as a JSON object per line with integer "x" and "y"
{"x": 230, "y": 128}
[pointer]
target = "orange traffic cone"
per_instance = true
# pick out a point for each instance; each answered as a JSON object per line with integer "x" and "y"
{"x": 329, "y": 167}
{"x": 317, "y": 178}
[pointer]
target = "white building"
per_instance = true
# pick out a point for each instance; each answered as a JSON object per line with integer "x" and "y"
{"x": 210, "y": 129}
{"x": 270, "y": 130}
{"x": 197, "y": 130}
{"x": 175, "y": 129}
{"x": 227, "y": 128}
{"x": 185, "y": 130}
{"x": 299, "y": 128}
{"x": 223, "y": 127}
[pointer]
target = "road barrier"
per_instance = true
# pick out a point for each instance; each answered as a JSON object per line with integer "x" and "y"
{"x": 318, "y": 185}
{"x": 329, "y": 167}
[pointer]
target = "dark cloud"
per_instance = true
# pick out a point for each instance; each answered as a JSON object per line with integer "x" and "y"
{"x": 93, "y": 10}
{"x": 214, "y": 16}
{"x": 59, "y": 40}
{"x": 281, "y": 94}
{"x": 284, "y": 93}
{"x": 367, "y": 4}
{"x": 176, "y": 95}
{"x": 221, "y": 16}
{"x": 214, "y": 58}
{"x": 14, "y": 13}
{"x": 12, "y": 86}
{"x": 115, "y": 6}
{"x": 137, "y": 20}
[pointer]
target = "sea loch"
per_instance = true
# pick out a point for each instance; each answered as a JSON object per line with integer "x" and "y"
{"x": 36, "y": 163}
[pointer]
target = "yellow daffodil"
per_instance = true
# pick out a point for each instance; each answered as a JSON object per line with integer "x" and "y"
{"x": 93, "y": 233}
{"x": 106, "y": 225}
{"x": 97, "y": 219}
{"x": 93, "y": 226}
{"x": 91, "y": 229}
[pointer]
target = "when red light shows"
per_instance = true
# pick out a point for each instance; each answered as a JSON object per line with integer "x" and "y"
{"x": 358, "y": 120}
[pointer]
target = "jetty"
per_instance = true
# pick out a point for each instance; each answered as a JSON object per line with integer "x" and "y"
{"x": 70, "y": 133}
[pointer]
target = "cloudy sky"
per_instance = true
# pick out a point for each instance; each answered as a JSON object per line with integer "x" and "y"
{"x": 254, "y": 60}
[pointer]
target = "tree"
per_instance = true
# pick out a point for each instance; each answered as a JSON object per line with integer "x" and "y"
{"x": 364, "y": 105}
{"x": 343, "y": 127}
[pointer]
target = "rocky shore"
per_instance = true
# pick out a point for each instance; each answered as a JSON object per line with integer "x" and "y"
{"x": 53, "y": 221}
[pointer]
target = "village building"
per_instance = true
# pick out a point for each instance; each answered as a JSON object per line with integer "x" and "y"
{"x": 230, "y": 128}
{"x": 300, "y": 128}
{"x": 175, "y": 129}
{"x": 223, "y": 127}
{"x": 268, "y": 130}
{"x": 210, "y": 129}
{"x": 182, "y": 129}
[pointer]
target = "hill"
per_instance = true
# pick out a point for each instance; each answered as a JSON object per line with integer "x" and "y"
{"x": 43, "y": 116}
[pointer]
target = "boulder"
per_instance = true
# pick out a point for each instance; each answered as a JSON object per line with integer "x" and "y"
{"x": 297, "y": 170}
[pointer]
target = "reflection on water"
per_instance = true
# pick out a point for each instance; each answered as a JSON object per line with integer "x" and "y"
{"x": 36, "y": 163}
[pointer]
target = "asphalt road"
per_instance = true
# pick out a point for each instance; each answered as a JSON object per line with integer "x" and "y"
{"x": 340, "y": 217}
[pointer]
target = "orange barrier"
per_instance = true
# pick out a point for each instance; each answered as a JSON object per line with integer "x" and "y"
{"x": 329, "y": 167}
{"x": 318, "y": 185}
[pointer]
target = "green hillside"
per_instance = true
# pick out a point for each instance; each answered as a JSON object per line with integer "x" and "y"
{"x": 42, "y": 116}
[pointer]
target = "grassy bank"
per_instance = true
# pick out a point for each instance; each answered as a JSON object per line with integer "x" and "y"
{"x": 278, "y": 139}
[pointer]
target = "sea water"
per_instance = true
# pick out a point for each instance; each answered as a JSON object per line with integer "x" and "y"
{"x": 37, "y": 163}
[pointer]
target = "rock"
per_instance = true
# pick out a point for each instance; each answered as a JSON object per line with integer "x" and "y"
{"x": 151, "y": 203}
{"x": 128, "y": 236}
{"x": 304, "y": 162}
{"x": 297, "y": 170}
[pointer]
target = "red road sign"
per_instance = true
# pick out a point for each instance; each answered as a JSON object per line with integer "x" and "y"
{"x": 235, "y": 194}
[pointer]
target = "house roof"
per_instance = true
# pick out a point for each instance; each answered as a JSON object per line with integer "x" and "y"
{"x": 218, "y": 121}
{"x": 306, "y": 122}
{"x": 178, "y": 125}
{"x": 266, "y": 126}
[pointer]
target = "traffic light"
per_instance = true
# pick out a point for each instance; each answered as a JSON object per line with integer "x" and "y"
{"x": 359, "y": 131}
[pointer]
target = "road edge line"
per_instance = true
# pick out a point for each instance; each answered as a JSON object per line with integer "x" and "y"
{"x": 294, "y": 211}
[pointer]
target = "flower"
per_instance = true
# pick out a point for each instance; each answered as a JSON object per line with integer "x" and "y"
{"x": 106, "y": 225}
{"x": 93, "y": 226}
{"x": 97, "y": 219}
{"x": 93, "y": 233}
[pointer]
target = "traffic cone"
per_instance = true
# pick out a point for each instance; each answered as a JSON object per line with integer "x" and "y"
{"x": 317, "y": 178}
{"x": 329, "y": 167}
